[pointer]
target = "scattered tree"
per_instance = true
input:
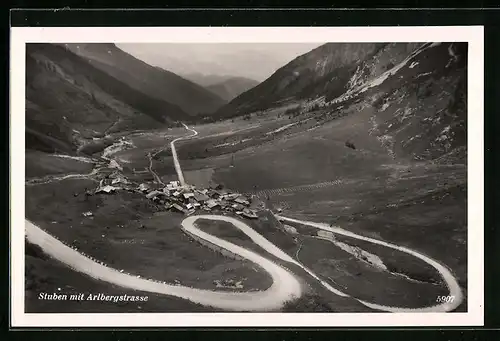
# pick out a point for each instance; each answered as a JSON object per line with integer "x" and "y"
{"x": 315, "y": 107}
{"x": 349, "y": 144}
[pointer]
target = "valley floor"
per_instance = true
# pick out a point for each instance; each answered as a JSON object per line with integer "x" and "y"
{"x": 296, "y": 166}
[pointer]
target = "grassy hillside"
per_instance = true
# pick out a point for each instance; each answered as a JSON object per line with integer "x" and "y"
{"x": 416, "y": 92}
{"x": 68, "y": 101}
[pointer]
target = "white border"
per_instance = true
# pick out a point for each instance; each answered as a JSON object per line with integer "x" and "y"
{"x": 471, "y": 34}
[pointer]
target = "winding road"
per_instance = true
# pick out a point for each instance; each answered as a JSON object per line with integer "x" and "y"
{"x": 285, "y": 287}
{"x": 449, "y": 279}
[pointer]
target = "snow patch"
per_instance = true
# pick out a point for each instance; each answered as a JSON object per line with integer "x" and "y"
{"x": 282, "y": 128}
{"x": 443, "y": 136}
{"x": 77, "y": 158}
{"x": 225, "y": 144}
{"x": 406, "y": 114}
{"x": 423, "y": 74}
{"x": 374, "y": 128}
{"x": 445, "y": 130}
{"x": 355, "y": 79}
{"x": 382, "y": 78}
{"x": 432, "y": 45}
{"x": 387, "y": 142}
{"x": 452, "y": 54}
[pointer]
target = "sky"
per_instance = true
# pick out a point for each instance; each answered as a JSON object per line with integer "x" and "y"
{"x": 257, "y": 61}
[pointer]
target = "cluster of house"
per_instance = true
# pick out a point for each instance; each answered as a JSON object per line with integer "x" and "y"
{"x": 187, "y": 199}
{"x": 183, "y": 198}
{"x": 113, "y": 182}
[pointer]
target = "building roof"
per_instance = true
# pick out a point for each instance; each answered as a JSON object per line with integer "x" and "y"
{"x": 232, "y": 196}
{"x": 143, "y": 187}
{"x": 201, "y": 197}
{"x": 242, "y": 200}
{"x": 249, "y": 213}
{"x": 212, "y": 203}
{"x": 106, "y": 189}
{"x": 178, "y": 207}
{"x": 238, "y": 207}
{"x": 153, "y": 194}
{"x": 119, "y": 179}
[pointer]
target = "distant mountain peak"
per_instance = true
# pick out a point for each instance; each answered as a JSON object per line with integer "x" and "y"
{"x": 232, "y": 87}
{"x": 156, "y": 82}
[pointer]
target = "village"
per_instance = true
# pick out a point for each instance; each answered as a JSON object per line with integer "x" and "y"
{"x": 186, "y": 199}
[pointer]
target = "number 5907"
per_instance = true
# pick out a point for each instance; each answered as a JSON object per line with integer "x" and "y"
{"x": 445, "y": 299}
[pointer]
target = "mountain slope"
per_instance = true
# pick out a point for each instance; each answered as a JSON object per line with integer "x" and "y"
{"x": 69, "y": 101}
{"x": 416, "y": 92}
{"x": 420, "y": 104}
{"x": 156, "y": 82}
{"x": 302, "y": 76}
{"x": 232, "y": 87}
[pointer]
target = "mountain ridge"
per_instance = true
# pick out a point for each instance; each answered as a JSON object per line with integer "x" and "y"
{"x": 69, "y": 101}
{"x": 232, "y": 87}
{"x": 296, "y": 77}
{"x": 154, "y": 81}
{"x": 417, "y": 92}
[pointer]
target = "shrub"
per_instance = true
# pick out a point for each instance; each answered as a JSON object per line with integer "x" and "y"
{"x": 349, "y": 144}
{"x": 314, "y": 108}
{"x": 377, "y": 104}
{"x": 424, "y": 91}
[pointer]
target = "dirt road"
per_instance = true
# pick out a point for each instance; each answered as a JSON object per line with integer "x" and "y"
{"x": 174, "y": 154}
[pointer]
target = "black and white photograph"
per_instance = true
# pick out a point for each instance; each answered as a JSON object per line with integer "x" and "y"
{"x": 248, "y": 177}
